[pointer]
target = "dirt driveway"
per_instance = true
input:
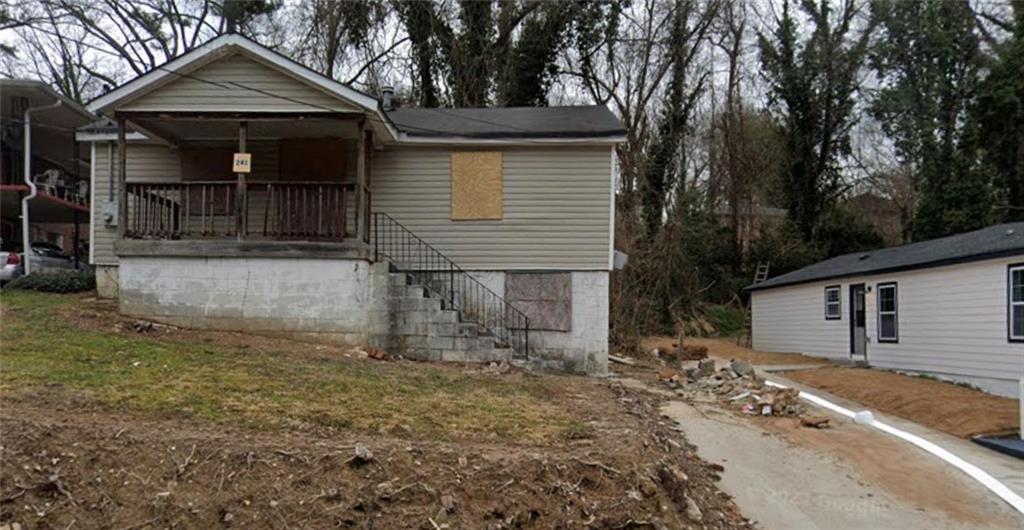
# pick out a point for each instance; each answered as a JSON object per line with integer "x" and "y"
{"x": 941, "y": 405}
{"x": 785, "y": 475}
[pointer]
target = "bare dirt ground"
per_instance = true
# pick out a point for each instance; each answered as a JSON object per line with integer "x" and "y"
{"x": 105, "y": 426}
{"x": 726, "y": 348}
{"x": 72, "y": 465}
{"x": 947, "y": 407}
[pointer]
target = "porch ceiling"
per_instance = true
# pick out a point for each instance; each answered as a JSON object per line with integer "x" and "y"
{"x": 176, "y": 130}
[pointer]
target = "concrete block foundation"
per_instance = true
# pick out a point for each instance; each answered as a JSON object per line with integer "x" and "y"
{"x": 326, "y": 299}
{"x": 349, "y": 301}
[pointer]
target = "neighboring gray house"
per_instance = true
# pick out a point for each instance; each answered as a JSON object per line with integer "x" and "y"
{"x": 237, "y": 189}
{"x": 951, "y": 307}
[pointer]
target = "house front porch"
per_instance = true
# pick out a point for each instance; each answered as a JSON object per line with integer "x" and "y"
{"x": 243, "y": 178}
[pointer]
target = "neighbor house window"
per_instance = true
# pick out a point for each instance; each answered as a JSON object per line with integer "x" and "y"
{"x": 888, "y": 323}
{"x": 1015, "y": 301}
{"x": 833, "y": 307}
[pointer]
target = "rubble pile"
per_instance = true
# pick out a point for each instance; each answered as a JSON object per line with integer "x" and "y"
{"x": 738, "y": 385}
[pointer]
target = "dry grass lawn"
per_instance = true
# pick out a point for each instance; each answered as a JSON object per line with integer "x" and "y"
{"x": 259, "y": 384}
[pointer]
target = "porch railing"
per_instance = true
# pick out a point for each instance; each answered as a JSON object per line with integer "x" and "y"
{"x": 270, "y": 210}
{"x": 459, "y": 290}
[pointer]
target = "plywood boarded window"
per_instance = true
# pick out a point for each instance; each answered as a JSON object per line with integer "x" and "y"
{"x": 476, "y": 185}
{"x": 544, "y": 297}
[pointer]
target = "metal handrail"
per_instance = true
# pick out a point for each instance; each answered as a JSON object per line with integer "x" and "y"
{"x": 459, "y": 290}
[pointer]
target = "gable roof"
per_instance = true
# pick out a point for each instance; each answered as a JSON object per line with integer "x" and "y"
{"x": 594, "y": 122}
{"x": 225, "y": 45}
{"x": 987, "y": 243}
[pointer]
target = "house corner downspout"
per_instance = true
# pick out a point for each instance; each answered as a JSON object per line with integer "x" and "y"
{"x": 32, "y": 191}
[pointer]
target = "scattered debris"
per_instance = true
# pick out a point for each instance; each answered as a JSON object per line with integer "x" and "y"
{"x": 377, "y": 354}
{"x": 146, "y": 326}
{"x": 621, "y": 360}
{"x": 694, "y": 352}
{"x": 741, "y": 367}
{"x": 737, "y": 384}
{"x": 495, "y": 368}
{"x": 693, "y": 512}
{"x": 689, "y": 353}
{"x": 363, "y": 455}
{"x": 815, "y": 422}
{"x": 671, "y": 377}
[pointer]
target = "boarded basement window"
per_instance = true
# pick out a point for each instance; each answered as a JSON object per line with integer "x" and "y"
{"x": 544, "y": 297}
{"x": 476, "y": 185}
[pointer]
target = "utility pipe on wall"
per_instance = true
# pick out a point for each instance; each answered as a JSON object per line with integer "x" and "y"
{"x": 25, "y": 243}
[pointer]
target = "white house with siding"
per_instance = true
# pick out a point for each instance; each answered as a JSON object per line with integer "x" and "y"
{"x": 237, "y": 189}
{"x": 951, "y": 307}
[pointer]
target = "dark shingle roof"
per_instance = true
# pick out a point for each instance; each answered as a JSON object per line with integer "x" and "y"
{"x": 509, "y": 122}
{"x": 994, "y": 241}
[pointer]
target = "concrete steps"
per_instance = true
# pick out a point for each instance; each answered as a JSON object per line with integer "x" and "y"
{"x": 419, "y": 326}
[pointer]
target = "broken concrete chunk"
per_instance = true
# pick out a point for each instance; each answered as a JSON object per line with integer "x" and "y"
{"x": 742, "y": 367}
{"x": 693, "y": 512}
{"x": 362, "y": 455}
{"x": 706, "y": 366}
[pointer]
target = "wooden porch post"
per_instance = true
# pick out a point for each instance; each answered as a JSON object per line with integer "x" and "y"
{"x": 241, "y": 198}
{"x": 361, "y": 204}
{"x": 122, "y": 180}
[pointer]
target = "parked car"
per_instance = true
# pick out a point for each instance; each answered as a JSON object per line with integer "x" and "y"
{"x": 10, "y": 259}
{"x": 47, "y": 256}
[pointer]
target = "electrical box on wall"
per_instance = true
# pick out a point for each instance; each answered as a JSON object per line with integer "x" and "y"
{"x": 110, "y": 214}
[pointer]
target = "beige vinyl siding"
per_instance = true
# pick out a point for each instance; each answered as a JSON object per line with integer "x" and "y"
{"x": 209, "y": 88}
{"x": 556, "y": 206}
{"x": 146, "y": 163}
{"x": 952, "y": 321}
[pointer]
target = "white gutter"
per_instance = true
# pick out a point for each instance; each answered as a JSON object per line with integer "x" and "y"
{"x": 25, "y": 243}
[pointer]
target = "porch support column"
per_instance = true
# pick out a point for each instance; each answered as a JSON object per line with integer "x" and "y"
{"x": 362, "y": 205}
{"x": 122, "y": 180}
{"x": 241, "y": 198}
